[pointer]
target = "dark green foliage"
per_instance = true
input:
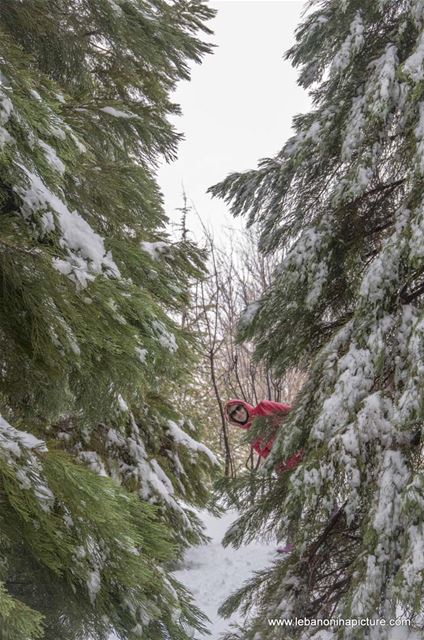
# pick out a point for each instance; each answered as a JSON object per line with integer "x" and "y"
{"x": 91, "y": 291}
{"x": 84, "y": 544}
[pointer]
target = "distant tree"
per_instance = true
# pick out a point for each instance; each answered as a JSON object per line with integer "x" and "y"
{"x": 238, "y": 275}
{"x": 95, "y": 458}
{"x": 344, "y": 201}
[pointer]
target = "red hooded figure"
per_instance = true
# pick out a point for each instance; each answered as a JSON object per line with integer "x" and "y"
{"x": 242, "y": 414}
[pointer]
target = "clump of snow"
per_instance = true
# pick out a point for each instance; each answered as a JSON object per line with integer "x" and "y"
{"x": 166, "y": 338}
{"x": 117, "y": 113}
{"x": 24, "y": 481}
{"x": 57, "y": 132}
{"x": 153, "y": 480}
{"x": 93, "y": 462}
{"x": 36, "y": 95}
{"x": 318, "y": 281}
{"x": 142, "y": 354}
{"x": 116, "y": 8}
{"x": 6, "y": 109}
{"x": 47, "y": 222}
{"x": 16, "y": 441}
{"x": 92, "y": 553}
{"x": 373, "y": 422}
{"x": 52, "y": 157}
{"x": 80, "y": 552}
{"x": 161, "y": 475}
{"x": 178, "y": 467}
{"x": 5, "y": 137}
{"x": 79, "y": 145}
{"x": 17, "y": 448}
{"x": 154, "y": 484}
{"x": 181, "y": 437}
{"x": 4, "y": 80}
{"x": 393, "y": 478}
{"x": 355, "y": 372}
{"x": 44, "y": 495}
{"x": 67, "y": 518}
{"x": 385, "y": 76}
{"x": 249, "y": 313}
{"x": 306, "y": 263}
{"x": 122, "y": 404}
{"x": 313, "y": 133}
{"x": 309, "y": 243}
{"x": 351, "y": 44}
{"x": 112, "y": 304}
{"x": 355, "y": 131}
{"x": 87, "y": 256}
{"x": 383, "y": 273}
{"x": 414, "y": 65}
{"x": 115, "y": 438}
{"x": 381, "y": 91}
{"x": 155, "y": 249}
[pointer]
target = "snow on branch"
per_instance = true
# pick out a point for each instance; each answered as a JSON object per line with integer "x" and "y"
{"x": 181, "y": 437}
{"x": 87, "y": 255}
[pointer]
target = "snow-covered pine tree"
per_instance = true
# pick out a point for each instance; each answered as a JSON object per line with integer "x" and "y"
{"x": 345, "y": 199}
{"x": 91, "y": 288}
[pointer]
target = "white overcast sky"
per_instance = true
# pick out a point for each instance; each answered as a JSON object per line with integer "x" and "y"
{"x": 238, "y": 106}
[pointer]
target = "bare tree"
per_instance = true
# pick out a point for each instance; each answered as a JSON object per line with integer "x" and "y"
{"x": 238, "y": 276}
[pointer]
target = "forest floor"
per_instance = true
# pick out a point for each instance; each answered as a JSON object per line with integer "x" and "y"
{"x": 212, "y": 572}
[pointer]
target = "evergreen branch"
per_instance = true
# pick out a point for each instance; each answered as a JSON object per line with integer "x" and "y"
{"x": 11, "y": 247}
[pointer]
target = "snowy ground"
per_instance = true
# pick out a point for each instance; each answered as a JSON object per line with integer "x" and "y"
{"x": 212, "y": 572}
